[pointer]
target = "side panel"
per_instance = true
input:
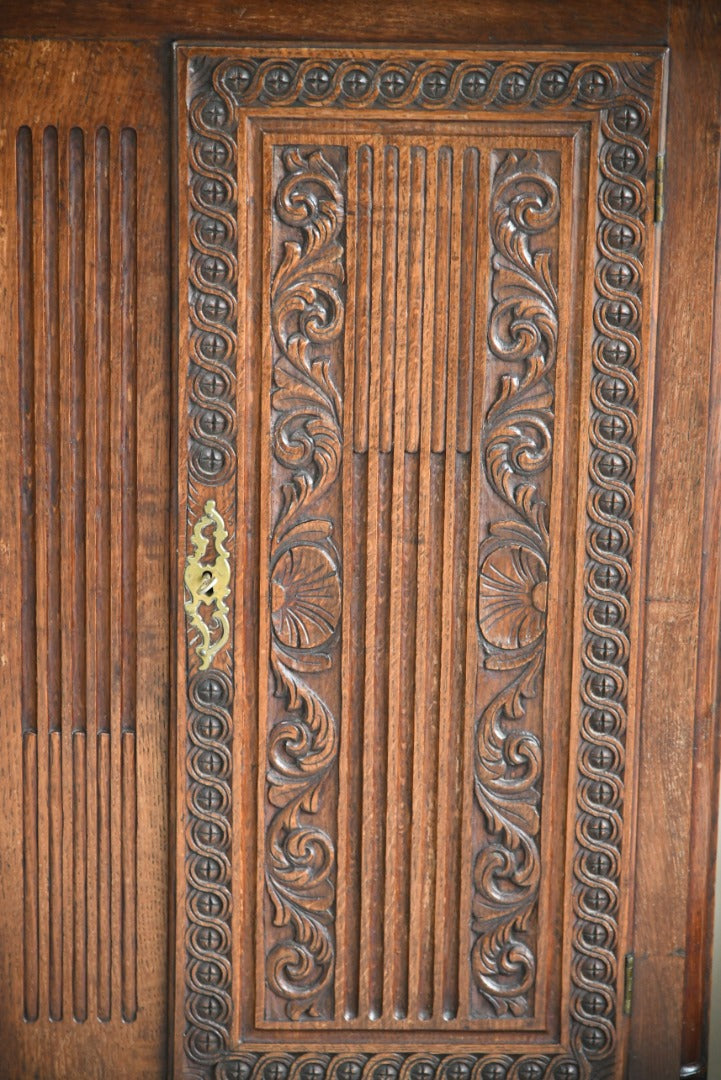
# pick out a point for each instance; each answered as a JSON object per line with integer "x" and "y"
{"x": 86, "y": 392}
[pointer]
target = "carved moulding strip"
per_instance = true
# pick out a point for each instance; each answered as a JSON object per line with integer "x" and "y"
{"x": 209, "y": 429}
{"x": 622, "y": 94}
{"x": 398, "y": 82}
{"x": 512, "y": 577}
{"x": 307, "y": 318}
{"x": 620, "y": 282}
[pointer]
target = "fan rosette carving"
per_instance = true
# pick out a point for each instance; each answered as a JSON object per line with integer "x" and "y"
{"x": 305, "y": 577}
{"x": 512, "y": 578}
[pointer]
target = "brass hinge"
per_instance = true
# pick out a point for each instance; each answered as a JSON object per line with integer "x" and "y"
{"x": 658, "y": 208}
{"x": 628, "y": 984}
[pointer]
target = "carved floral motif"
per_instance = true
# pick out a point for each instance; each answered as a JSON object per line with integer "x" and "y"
{"x": 305, "y": 586}
{"x": 523, "y": 333}
{"x": 512, "y": 596}
{"x": 305, "y": 597}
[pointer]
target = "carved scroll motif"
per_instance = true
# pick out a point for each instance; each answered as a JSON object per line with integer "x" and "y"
{"x": 307, "y": 313}
{"x": 513, "y": 569}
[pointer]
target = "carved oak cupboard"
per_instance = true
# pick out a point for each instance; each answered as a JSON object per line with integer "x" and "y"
{"x": 360, "y": 498}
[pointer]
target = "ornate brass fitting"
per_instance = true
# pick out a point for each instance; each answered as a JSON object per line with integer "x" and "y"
{"x": 208, "y": 585}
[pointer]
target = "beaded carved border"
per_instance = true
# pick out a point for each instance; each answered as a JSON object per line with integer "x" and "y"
{"x": 212, "y": 466}
{"x": 622, "y": 93}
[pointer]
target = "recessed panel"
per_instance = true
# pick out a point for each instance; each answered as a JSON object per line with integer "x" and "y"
{"x": 408, "y": 566}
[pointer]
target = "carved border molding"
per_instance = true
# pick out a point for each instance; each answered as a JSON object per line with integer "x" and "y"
{"x": 401, "y": 82}
{"x": 210, "y": 426}
{"x": 621, "y": 240}
{"x": 622, "y": 94}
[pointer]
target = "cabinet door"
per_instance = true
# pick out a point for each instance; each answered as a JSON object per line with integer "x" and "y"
{"x": 416, "y": 309}
{"x": 359, "y": 576}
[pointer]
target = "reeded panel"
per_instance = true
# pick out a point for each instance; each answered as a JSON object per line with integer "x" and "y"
{"x": 377, "y": 382}
{"x": 83, "y": 912}
{"x": 412, "y": 302}
{"x": 77, "y": 536}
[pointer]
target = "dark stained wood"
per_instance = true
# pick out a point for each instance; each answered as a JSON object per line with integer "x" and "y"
{"x": 87, "y": 732}
{"x": 465, "y": 21}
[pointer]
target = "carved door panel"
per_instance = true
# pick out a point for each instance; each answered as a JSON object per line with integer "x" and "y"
{"x": 416, "y": 293}
{"x": 359, "y": 576}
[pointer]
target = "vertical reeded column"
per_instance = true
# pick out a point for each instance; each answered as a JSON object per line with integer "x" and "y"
{"x": 26, "y": 357}
{"x": 51, "y": 442}
{"x": 75, "y": 582}
{"x": 128, "y": 451}
{"x": 77, "y": 266}
{"x": 102, "y": 554}
{"x": 415, "y": 358}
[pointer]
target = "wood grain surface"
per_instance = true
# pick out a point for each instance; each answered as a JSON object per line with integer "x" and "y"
{"x": 415, "y": 551}
{"x": 86, "y": 526}
{"x": 464, "y": 21}
{"x": 213, "y": 880}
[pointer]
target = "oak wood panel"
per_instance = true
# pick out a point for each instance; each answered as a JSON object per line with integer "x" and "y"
{"x": 680, "y": 743}
{"x": 286, "y": 225}
{"x": 692, "y": 176}
{"x": 419, "y": 501}
{"x": 84, "y": 925}
{"x": 464, "y": 22}
{"x": 72, "y": 412}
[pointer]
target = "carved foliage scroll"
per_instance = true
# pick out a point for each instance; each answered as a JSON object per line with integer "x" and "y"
{"x": 513, "y": 571}
{"x": 307, "y": 314}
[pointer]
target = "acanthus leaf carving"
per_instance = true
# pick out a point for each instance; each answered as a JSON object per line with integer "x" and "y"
{"x": 305, "y": 580}
{"x": 513, "y": 570}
